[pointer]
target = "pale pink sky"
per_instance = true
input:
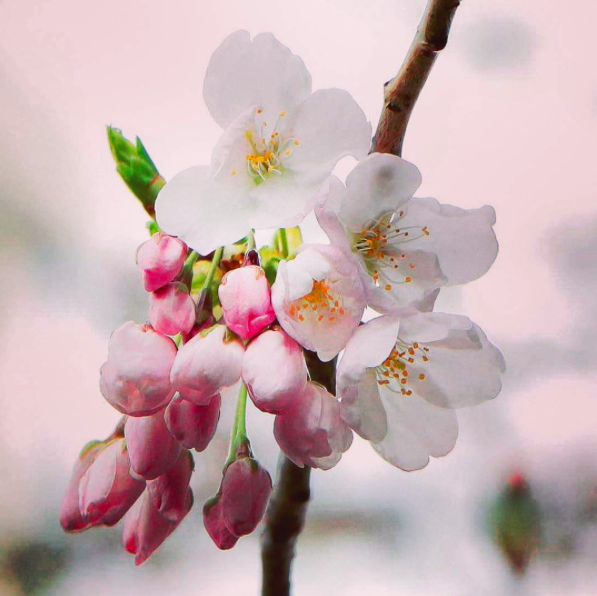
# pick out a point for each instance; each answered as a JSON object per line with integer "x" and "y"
{"x": 508, "y": 118}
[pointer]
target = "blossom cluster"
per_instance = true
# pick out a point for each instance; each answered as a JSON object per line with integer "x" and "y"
{"x": 400, "y": 376}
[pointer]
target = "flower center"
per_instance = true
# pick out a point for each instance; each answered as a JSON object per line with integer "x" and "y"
{"x": 379, "y": 244}
{"x": 397, "y": 370}
{"x": 269, "y": 152}
{"x": 321, "y": 303}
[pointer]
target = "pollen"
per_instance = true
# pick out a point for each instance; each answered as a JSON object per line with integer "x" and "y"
{"x": 233, "y": 173}
{"x": 395, "y": 371}
{"x": 283, "y": 113}
{"x": 321, "y": 304}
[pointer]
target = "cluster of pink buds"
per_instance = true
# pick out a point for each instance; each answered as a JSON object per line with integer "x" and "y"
{"x": 166, "y": 377}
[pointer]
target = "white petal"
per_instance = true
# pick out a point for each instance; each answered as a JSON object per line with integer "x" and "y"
{"x": 369, "y": 346}
{"x": 361, "y": 407}
{"x": 416, "y": 430}
{"x": 377, "y": 185}
{"x": 202, "y": 212}
{"x": 463, "y": 367}
{"x": 328, "y": 125}
{"x": 282, "y": 201}
{"x": 463, "y": 239}
{"x": 327, "y": 211}
{"x": 262, "y": 72}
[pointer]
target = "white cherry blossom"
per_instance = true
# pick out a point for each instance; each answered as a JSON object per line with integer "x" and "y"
{"x": 406, "y": 248}
{"x": 319, "y": 299}
{"x": 400, "y": 379}
{"x": 280, "y": 143}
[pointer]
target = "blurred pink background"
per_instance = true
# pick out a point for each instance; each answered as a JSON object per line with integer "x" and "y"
{"x": 508, "y": 118}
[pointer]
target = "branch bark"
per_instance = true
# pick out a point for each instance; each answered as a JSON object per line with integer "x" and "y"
{"x": 402, "y": 92}
{"x": 287, "y": 509}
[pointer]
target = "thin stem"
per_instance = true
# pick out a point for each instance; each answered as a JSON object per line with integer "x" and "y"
{"x": 213, "y": 267}
{"x": 283, "y": 242}
{"x": 402, "y": 92}
{"x": 238, "y": 435}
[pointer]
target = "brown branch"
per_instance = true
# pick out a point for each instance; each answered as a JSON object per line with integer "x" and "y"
{"x": 402, "y": 92}
{"x": 287, "y": 509}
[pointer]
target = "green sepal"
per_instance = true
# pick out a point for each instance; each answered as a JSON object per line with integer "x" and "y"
{"x": 136, "y": 168}
{"x": 270, "y": 259}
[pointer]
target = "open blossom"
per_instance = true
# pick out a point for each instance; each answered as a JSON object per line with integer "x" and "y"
{"x": 160, "y": 259}
{"x": 193, "y": 426}
{"x": 107, "y": 490}
{"x": 145, "y": 528}
{"x": 312, "y": 432}
{"x": 399, "y": 379}
{"x": 172, "y": 310}
{"x": 406, "y": 248}
{"x": 152, "y": 449}
{"x": 319, "y": 299}
{"x": 274, "y": 371}
{"x": 136, "y": 377}
{"x": 246, "y": 303}
{"x": 206, "y": 364}
{"x": 279, "y": 145}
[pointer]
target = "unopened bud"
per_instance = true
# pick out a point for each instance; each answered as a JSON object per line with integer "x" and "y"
{"x": 246, "y": 489}
{"x": 107, "y": 490}
{"x": 171, "y": 309}
{"x": 160, "y": 259}
{"x": 216, "y": 526}
{"x": 136, "y": 377}
{"x": 193, "y": 426}
{"x": 152, "y": 449}
{"x": 145, "y": 529}
{"x": 246, "y": 303}
{"x": 71, "y": 518}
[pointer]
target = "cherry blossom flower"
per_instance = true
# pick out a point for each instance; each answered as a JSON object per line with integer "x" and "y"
{"x": 160, "y": 259}
{"x": 319, "y": 299}
{"x": 206, "y": 364}
{"x": 246, "y": 303}
{"x": 406, "y": 248}
{"x": 400, "y": 378}
{"x": 312, "y": 433}
{"x": 274, "y": 371}
{"x": 280, "y": 143}
{"x": 136, "y": 377}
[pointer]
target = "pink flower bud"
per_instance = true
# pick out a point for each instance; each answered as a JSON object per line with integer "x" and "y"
{"x": 160, "y": 259}
{"x": 206, "y": 364}
{"x": 246, "y": 488}
{"x": 193, "y": 426}
{"x": 312, "y": 432}
{"x": 107, "y": 490}
{"x": 71, "y": 519}
{"x": 169, "y": 492}
{"x": 145, "y": 529}
{"x": 274, "y": 371}
{"x": 246, "y": 303}
{"x": 216, "y": 526}
{"x": 152, "y": 449}
{"x": 171, "y": 309}
{"x": 136, "y": 377}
